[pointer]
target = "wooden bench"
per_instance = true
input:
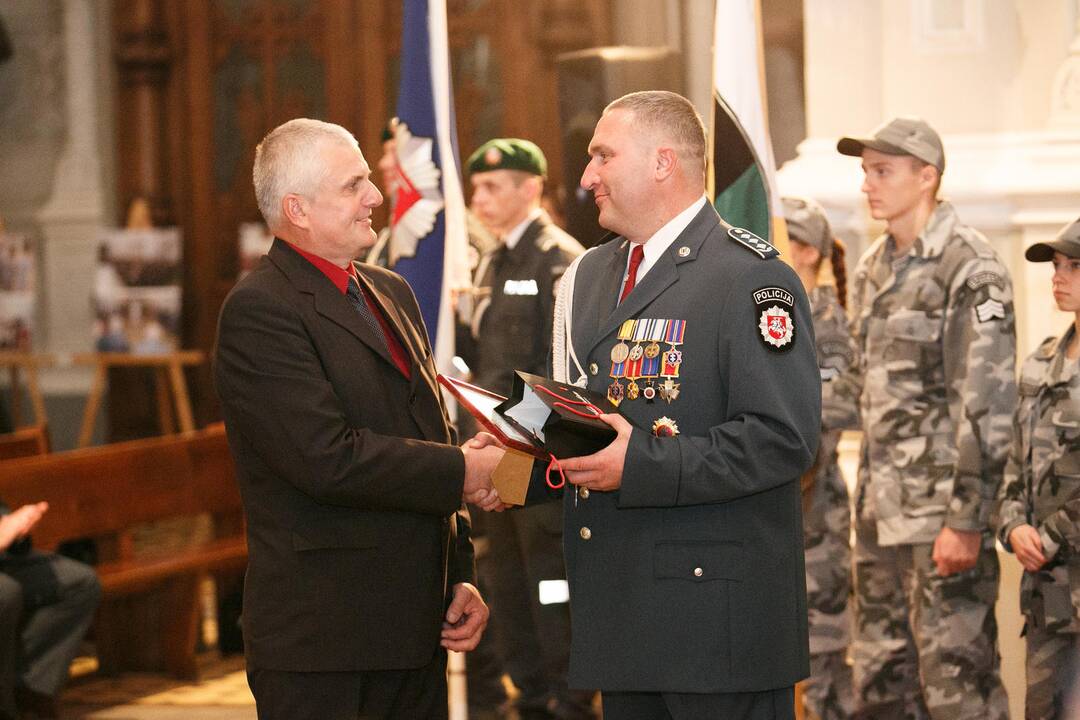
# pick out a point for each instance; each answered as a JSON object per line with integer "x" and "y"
{"x": 33, "y": 440}
{"x": 148, "y": 619}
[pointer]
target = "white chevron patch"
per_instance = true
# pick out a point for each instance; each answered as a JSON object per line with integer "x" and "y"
{"x": 990, "y": 309}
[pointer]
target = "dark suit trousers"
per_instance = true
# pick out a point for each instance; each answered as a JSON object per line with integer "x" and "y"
{"x": 57, "y": 598}
{"x": 367, "y": 695}
{"x": 766, "y": 705}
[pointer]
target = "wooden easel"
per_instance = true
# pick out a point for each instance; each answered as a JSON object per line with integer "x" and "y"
{"x": 23, "y": 363}
{"x": 168, "y": 376}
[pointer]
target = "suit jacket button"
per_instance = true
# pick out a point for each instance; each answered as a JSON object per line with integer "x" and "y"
{"x": 585, "y": 533}
{"x": 698, "y": 572}
{"x": 583, "y": 493}
{"x": 593, "y": 368}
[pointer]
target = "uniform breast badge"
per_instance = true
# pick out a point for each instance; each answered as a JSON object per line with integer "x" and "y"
{"x": 665, "y": 427}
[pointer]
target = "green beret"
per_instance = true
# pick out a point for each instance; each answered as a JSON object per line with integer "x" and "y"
{"x": 508, "y": 154}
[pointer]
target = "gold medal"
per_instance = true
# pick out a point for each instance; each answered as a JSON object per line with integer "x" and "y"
{"x": 620, "y": 352}
{"x": 632, "y": 390}
{"x": 652, "y": 350}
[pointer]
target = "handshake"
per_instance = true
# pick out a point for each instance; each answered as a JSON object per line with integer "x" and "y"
{"x": 482, "y": 454}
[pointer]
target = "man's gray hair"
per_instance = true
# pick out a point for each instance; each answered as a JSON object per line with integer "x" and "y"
{"x": 669, "y": 116}
{"x": 288, "y": 161}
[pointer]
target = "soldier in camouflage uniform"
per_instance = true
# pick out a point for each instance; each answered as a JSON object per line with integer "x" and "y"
{"x": 826, "y": 512}
{"x": 933, "y": 324}
{"x": 1038, "y": 510}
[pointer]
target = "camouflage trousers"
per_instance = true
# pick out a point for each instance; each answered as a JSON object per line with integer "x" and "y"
{"x": 925, "y": 646}
{"x": 827, "y": 542}
{"x": 1051, "y": 667}
{"x": 827, "y": 692}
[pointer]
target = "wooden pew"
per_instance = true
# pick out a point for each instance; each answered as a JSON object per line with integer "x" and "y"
{"x": 33, "y": 440}
{"x": 103, "y": 493}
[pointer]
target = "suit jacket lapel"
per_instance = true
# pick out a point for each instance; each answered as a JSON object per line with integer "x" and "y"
{"x": 421, "y": 371}
{"x": 326, "y": 298}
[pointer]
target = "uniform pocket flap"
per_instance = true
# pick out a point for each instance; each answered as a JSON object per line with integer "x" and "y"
{"x": 333, "y": 533}
{"x": 698, "y": 562}
{"x": 913, "y": 325}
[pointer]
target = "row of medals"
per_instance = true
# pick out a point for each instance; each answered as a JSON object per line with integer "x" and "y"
{"x": 646, "y": 334}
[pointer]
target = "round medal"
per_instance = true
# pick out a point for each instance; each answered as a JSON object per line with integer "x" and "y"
{"x": 652, "y": 350}
{"x": 636, "y": 352}
{"x": 620, "y": 352}
{"x": 649, "y": 392}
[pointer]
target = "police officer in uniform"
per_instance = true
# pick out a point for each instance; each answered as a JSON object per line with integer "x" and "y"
{"x": 683, "y": 536}
{"x": 932, "y": 318}
{"x": 818, "y": 259}
{"x": 510, "y": 330}
{"x": 1038, "y": 514}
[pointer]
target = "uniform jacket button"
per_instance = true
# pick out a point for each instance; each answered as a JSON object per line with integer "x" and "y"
{"x": 698, "y": 572}
{"x": 585, "y": 533}
{"x": 593, "y": 368}
{"x": 583, "y": 493}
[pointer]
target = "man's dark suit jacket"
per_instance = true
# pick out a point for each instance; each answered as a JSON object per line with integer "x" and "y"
{"x": 689, "y": 578}
{"x": 350, "y": 489}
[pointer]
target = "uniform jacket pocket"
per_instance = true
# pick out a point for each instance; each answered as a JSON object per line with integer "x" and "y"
{"x": 698, "y": 562}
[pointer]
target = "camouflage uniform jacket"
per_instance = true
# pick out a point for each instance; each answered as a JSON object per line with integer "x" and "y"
{"x": 1042, "y": 482}
{"x": 935, "y": 333}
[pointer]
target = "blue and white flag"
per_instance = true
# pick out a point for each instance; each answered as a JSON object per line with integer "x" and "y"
{"x": 429, "y": 243}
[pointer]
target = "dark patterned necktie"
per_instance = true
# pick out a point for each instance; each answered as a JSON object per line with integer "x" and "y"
{"x": 356, "y": 298}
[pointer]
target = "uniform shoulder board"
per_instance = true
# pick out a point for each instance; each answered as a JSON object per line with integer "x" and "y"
{"x": 753, "y": 242}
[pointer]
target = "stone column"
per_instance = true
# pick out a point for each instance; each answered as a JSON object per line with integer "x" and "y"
{"x": 80, "y": 203}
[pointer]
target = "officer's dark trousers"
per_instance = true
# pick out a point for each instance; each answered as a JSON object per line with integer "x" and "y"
{"x": 767, "y": 705}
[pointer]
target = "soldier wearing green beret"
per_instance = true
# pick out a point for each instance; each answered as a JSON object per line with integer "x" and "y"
{"x": 510, "y": 329}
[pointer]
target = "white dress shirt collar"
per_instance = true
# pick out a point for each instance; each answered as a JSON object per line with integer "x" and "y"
{"x": 514, "y": 235}
{"x": 660, "y": 241}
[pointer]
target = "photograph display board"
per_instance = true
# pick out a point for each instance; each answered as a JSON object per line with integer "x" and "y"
{"x": 136, "y": 291}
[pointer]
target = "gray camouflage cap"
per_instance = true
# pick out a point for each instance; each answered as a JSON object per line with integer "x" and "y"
{"x": 900, "y": 136}
{"x": 1067, "y": 243}
{"x": 807, "y": 223}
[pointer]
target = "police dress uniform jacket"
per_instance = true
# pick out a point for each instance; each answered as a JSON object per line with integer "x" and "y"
{"x": 350, "y": 490}
{"x": 511, "y": 328}
{"x": 935, "y": 333}
{"x": 1042, "y": 483}
{"x": 690, "y": 577}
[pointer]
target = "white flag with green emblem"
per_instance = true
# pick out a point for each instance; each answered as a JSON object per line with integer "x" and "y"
{"x": 742, "y": 181}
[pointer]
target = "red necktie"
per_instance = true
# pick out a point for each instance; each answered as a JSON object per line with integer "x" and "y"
{"x": 636, "y": 257}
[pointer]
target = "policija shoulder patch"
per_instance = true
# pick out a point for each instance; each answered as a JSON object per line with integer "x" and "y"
{"x": 774, "y": 307}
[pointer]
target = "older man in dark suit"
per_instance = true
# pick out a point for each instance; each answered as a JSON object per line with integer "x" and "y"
{"x": 360, "y": 564}
{"x": 684, "y": 537}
